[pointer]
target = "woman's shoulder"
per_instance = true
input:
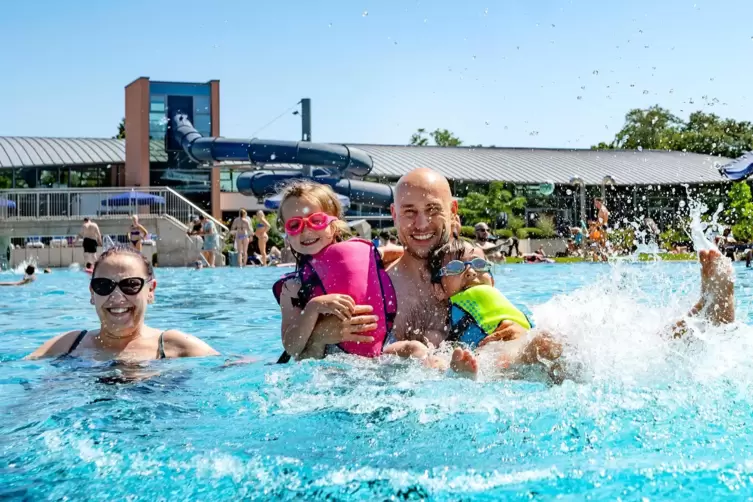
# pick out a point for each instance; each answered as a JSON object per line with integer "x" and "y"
{"x": 56, "y": 346}
{"x": 179, "y": 344}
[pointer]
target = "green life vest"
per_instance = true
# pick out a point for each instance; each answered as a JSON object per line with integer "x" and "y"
{"x": 487, "y": 307}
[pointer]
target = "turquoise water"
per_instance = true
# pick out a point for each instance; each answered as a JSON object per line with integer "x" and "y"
{"x": 647, "y": 418}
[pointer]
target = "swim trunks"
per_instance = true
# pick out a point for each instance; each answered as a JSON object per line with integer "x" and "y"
{"x": 90, "y": 245}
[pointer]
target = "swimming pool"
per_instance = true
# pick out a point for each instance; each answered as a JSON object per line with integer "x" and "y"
{"x": 649, "y": 418}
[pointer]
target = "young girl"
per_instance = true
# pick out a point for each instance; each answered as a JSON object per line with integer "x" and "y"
{"x": 311, "y": 216}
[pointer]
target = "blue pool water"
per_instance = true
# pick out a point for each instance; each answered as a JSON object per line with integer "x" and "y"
{"x": 647, "y": 419}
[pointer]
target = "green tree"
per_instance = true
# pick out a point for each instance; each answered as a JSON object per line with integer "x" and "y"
{"x": 478, "y": 206}
{"x": 419, "y": 138}
{"x": 658, "y": 129}
{"x": 121, "y": 130}
{"x": 441, "y": 137}
{"x": 740, "y": 211}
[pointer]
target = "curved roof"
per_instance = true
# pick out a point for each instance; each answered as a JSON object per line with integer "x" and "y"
{"x": 44, "y": 152}
{"x": 515, "y": 165}
{"x": 537, "y": 165}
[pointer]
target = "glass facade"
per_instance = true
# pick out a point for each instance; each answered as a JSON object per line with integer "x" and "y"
{"x": 56, "y": 177}
{"x": 174, "y": 168}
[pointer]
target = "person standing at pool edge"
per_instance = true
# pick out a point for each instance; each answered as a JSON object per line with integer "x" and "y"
{"x": 122, "y": 286}
{"x": 92, "y": 238}
{"x": 209, "y": 232}
{"x": 241, "y": 227}
{"x": 136, "y": 233}
{"x": 261, "y": 229}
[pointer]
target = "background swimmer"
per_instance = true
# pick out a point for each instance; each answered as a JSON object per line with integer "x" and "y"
{"x": 30, "y": 275}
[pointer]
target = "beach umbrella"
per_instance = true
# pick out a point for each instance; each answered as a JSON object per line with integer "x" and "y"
{"x": 133, "y": 199}
{"x": 273, "y": 202}
{"x": 738, "y": 169}
{"x": 7, "y": 204}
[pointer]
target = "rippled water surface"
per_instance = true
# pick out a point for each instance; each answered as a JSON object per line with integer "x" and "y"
{"x": 647, "y": 417}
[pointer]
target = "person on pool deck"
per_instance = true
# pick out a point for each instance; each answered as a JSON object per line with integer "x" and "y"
{"x": 121, "y": 288}
{"x": 30, "y": 275}
{"x": 92, "y": 238}
{"x": 136, "y": 233}
{"x": 211, "y": 240}
{"x": 425, "y": 215}
{"x": 241, "y": 228}
{"x": 260, "y": 230}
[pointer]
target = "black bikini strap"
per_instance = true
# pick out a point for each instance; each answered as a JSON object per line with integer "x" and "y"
{"x": 75, "y": 343}
{"x": 161, "y": 348}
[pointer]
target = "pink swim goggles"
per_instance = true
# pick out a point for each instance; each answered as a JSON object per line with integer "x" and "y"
{"x": 315, "y": 221}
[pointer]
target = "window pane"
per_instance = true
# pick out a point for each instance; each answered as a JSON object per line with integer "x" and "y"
{"x": 157, "y": 104}
{"x": 6, "y": 179}
{"x": 203, "y": 124}
{"x": 201, "y": 104}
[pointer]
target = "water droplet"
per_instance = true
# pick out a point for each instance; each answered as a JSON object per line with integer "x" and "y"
{"x": 474, "y": 57}
{"x": 486, "y": 122}
{"x": 569, "y": 192}
{"x": 365, "y": 13}
{"x": 486, "y": 11}
{"x": 632, "y": 85}
{"x": 330, "y": 25}
{"x": 682, "y": 203}
{"x": 395, "y": 42}
{"x": 534, "y": 133}
{"x": 596, "y": 72}
{"x": 580, "y": 97}
{"x": 426, "y": 20}
{"x": 640, "y": 148}
{"x": 583, "y": 87}
{"x": 272, "y": 157}
{"x": 645, "y": 92}
{"x": 553, "y": 26}
{"x": 505, "y": 128}
{"x": 671, "y": 91}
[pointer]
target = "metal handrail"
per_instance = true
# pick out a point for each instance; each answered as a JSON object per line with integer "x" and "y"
{"x": 67, "y": 203}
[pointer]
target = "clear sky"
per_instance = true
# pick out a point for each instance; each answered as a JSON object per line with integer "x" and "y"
{"x": 544, "y": 73}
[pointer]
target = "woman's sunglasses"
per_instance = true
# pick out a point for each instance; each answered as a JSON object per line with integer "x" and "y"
{"x": 457, "y": 267}
{"x": 316, "y": 221}
{"x": 129, "y": 286}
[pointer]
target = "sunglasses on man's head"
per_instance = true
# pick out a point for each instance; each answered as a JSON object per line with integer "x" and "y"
{"x": 315, "y": 221}
{"x": 457, "y": 267}
{"x": 129, "y": 286}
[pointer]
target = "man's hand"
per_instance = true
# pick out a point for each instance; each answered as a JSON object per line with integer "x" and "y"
{"x": 332, "y": 330}
{"x": 341, "y": 306}
{"x": 506, "y": 331}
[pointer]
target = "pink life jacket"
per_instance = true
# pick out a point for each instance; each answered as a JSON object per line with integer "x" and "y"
{"x": 354, "y": 268}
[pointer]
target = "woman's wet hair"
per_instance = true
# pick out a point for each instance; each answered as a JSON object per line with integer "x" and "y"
{"x": 453, "y": 250}
{"x": 120, "y": 249}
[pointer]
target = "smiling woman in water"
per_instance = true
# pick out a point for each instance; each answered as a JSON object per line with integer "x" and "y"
{"x": 121, "y": 287}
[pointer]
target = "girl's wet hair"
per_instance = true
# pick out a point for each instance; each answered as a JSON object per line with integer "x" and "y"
{"x": 453, "y": 250}
{"x": 120, "y": 249}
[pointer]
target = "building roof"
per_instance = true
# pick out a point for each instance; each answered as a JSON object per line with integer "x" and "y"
{"x": 537, "y": 165}
{"x": 515, "y": 165}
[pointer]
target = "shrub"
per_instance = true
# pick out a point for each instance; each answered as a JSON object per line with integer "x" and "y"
{"x": 546, "y": 228}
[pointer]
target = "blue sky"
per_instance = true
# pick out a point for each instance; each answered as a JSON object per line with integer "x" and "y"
{"x": 543, "y": 73}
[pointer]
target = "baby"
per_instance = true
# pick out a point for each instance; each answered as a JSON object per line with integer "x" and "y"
{"x": 462, "y": 276}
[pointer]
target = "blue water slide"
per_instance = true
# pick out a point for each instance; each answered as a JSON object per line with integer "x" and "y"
{"x": 738, "y": 169}
{"x": 332, "y": 165}
{"x": 337, "y": 158}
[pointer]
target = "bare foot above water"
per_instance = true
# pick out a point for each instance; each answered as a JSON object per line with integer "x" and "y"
{"x": 717, "y": 303}
{"x": 464, "y": 363}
